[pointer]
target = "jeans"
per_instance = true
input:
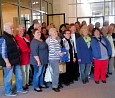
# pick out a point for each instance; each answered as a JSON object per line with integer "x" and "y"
{"x": 37, "y": 75}
{"x": 25, "y": 74}
{"x": 84, "y": 70}
{"x": 42, "y": 75}
{"x": 8, "y": 77}
{"x": 55, "y": 72}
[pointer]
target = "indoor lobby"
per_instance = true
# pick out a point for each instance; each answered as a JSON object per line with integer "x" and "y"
{"x": 60, "y": 12}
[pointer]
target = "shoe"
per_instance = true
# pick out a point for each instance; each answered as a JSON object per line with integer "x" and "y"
{"x": 44, "y": 86}
{"x": 60, "y": 86}
{"x": 76, "y": 79}
{"x": 110, "y": 73}
{"x": 25, "y": 87}
{"x": 97, "y": 82}
{"x": 107, "y": 75}
{"x": 37, "y": 90}
{"x": 10, "y": 94}
{"x": 83, "y": 81}
{"x": 23, "y": 92}
{"x": 56, "y": 89}
{"x": 67, "y": 84}
{"x": 103, "y": 81}
{"x": 86, "y": 80}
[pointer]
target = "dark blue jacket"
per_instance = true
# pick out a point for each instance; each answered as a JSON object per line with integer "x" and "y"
{"x": 96, "y": 50}
{"x": 83, "y": 52}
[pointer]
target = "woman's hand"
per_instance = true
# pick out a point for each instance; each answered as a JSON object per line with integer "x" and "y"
{"x": 79, "y": 60}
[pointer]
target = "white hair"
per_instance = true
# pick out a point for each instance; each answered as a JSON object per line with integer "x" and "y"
{"x": 52, "y": 30}
{"x": 7, "y": 26}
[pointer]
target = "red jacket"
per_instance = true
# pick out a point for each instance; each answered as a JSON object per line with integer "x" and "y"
{"x": 24, "y": 50}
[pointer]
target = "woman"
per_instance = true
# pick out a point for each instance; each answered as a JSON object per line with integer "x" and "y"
{"x": 101, "y": 50}
{"x": 24, "y": 46}
{"x": 111, "y": 59}
{"x": 68, "y": 44}
{"x": 84, "y": 53}
{"x": 54, "y": 56}
{"x": 39, "y": 59}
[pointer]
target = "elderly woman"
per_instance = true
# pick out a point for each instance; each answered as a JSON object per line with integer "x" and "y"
{"x": 54, "y": 56}
{"x": 101, "y": 50}
{"x": 24, "y": 43}
{"x": 38, "y": 58}
{"x": 68, "y": 44}
{"x": 84, "y": 53}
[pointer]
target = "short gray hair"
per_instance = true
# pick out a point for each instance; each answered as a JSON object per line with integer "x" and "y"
{"x": 7, "y": 25}
{"x": 51, "y": 31}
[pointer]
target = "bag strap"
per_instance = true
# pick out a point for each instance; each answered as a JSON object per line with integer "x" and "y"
{"x": 101, "y": 43}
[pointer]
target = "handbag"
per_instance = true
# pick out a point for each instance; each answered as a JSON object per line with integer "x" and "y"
{"x": 48, "y": 73}
{"x": 64, "y": 58}
{"x": 62, "y": 67}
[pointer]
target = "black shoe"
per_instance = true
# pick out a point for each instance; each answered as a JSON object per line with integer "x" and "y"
{"x": 60, "y": 86}
{"x": 67, "y": 84}
{"x": 83, "y": 81}
{"x": 76, "y": 79}
{"x": 103, "y": 81}
{"x": 110, "y": 73}
{"x": 86, "y": 80}
{"x": 25, "y": 87}
{"x": 97, "y": 82}
{"x": 107, "y": 75}
{"x": 56, "y": 89}
{"x": 37, "y": 90}
{"x": 44, "y": 86}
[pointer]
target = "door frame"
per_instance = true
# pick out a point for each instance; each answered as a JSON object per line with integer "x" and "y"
{"x": 48, "y": 15}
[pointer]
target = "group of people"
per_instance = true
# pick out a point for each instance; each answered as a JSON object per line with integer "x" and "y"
{"x": 28, "y": 54}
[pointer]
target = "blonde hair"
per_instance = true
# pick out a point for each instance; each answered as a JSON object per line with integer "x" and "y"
{"x": 84, "y": 27}
{"x": 51, "y": 31}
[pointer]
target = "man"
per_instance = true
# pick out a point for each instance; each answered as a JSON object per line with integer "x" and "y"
{"x": 75, "y": 35}
{"x": 9, "y": 59}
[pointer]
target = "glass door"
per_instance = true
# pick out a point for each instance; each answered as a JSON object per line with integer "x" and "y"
{"x": 57, "y": 19}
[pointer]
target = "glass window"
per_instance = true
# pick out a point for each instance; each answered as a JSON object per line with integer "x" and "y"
{"x": 25, "y": 15}
{"x": 44, "y": 6}
{"x": 10, "y": 1}
{"x": 25, "y": 3}
{"x": 10, "y": 14}
{"x": 36, "y": 15}
{"x": 97, "y": 9}
{"x": 109, "y": 8}
{"x": 50, "y": 10}
{"x": 86, "y": 1}
{"x": 36, "y": 4}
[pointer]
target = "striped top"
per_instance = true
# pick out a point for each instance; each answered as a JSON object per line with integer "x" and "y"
{"x": 54, "y": 49}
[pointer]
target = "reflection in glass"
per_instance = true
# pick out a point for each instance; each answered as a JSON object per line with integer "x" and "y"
{"x": 50, "y": 10}
{"x": 25, "y": 3}
{"x": 44, "y": 6}
{"x": 97, "y": 9}
{"x": 25, "y": 15}
{"x": 36, "y": 15}
{"x": 110, "y": 8}
{"x": 36, "y": 4}
{"x": 88, "y": 1}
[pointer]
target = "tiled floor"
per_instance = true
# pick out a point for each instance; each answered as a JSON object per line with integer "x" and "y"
{"x": 76, "y": 90}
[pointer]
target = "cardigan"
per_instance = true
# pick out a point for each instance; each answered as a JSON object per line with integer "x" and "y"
{"x": 83, "y": 51}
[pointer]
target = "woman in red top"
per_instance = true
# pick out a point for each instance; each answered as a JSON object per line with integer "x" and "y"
{"x": 23, "y": 43}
